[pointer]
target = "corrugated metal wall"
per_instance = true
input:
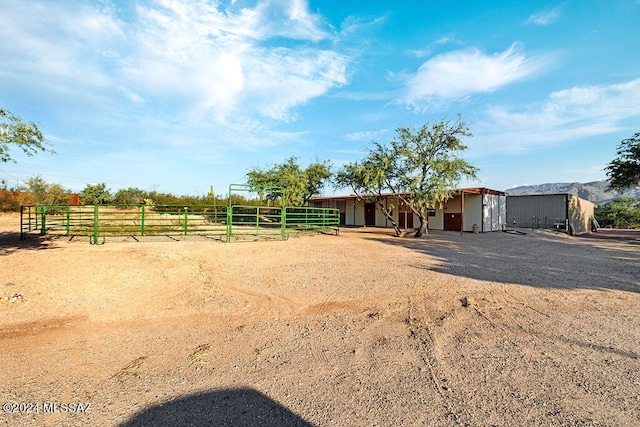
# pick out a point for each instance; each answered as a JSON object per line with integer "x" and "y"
{"x": 494, "y": 212}
{"x": 538, "y": 211}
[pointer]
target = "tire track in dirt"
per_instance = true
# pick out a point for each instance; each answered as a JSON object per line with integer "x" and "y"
{"x": 168, "y": 290}
{"x": 180, "y": 291}
{"x": 377, "y": 376}
{"x": 315, "y": 351}
{"x": 265, "y": 304}
{"x": 544, "y": 342}
{"x": 544, "y": 350}
{"x": 41, "y": 326}
{"x": 386, "y": 386}
{"x": 420, "y": 329}
{"x": 552, "y": 339}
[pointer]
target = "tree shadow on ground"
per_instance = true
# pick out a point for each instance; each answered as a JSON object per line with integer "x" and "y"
{"x": 538, "y": 259}
{"x": 229, "y": 407}
{"x": 10, "y": 242}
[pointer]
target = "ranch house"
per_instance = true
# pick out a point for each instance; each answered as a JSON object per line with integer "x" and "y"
{"x": 480, "y": 207}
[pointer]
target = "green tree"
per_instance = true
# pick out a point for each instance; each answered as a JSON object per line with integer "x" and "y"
{"x": 624, "y": 171}
{"x": 420, "y": 167}
{"x": 623, "y": 212}
{"x": 26, "y": 135}
{"x": 299, "y": 184}
{"x": 95, "y": 194}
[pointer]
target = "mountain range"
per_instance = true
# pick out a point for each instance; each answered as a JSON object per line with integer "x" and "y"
{"x": 595, "y": 192}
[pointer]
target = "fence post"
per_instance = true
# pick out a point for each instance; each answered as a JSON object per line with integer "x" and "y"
{"x": 95, "y": 223}
{"x": 257, "y": 220}
{"x": 43, "y": 212}
{"x": 142, "y": 221}
{"x": 229, "y": 219}
{"x": 68, "y": 219}
{"x": 283, "y": 220}
{"x": 186, "y": 214}
{"x": 23, "y": 235}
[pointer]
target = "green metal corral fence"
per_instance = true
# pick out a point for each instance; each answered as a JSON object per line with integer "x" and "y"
{"x": 228, "y": 223}
{"x": 312, "y": 219}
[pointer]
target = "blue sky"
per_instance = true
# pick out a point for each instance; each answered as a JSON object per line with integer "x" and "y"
{"x": 178, "y": 96}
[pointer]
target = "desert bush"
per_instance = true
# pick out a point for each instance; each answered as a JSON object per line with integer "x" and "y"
{"x": 130, "y": 196}
{"x": 623, "y": 212}
{"x": 36, "y": 191}
{"x": 96, "y": 194}
{"x": 9, "y": 201}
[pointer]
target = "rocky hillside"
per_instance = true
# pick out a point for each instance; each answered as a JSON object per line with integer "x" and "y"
{"x": 593, "y": 191}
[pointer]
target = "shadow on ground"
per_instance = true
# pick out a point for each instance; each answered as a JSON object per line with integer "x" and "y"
{"x": 615, "y": 235}
{"x": 230, "y": 407}
{"x": 536, "y": 259}
{"x": 10, "y": 242}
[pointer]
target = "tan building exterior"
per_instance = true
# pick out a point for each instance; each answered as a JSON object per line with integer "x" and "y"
{"x": 482, "y": 207}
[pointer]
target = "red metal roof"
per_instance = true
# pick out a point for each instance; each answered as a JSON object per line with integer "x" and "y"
{"x": 474, "y": 190}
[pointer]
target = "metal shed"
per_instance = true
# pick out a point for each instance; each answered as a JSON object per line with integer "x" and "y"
{"x": 564, "y": 212}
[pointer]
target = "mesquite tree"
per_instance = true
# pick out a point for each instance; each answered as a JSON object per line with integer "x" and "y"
{"x": 420, "y": 167}
{"x": 15, "y": 131}
{"x": 624, "y": 171}
{"x": 368, "y": 179}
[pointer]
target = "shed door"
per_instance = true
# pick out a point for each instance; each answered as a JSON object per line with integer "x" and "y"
{"x": 370, "y": 214}
{"x": 452, "y": 221}
{"x": 405, "y": 220}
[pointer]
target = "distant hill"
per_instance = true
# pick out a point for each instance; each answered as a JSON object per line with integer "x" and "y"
{"x": 595, "y": 192}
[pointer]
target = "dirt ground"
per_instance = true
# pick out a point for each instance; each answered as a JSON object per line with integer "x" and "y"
{"x": 359, "y": 329}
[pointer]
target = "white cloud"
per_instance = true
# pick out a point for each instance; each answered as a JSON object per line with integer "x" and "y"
{"x": 456, "y": 75}
{"x": 366, "y": 135}
{"x": 51, "y": 43}
{"x": 286, "y": 78}
{"x": 357, "y": 26}
{"x": 206, "y": 61}
{"x": 545, "y": 17}
{"x": 216, "y": 58}
{"x": 426, "y": 51}
{"x": 131, "y": 95}
{"x": 291, "y": 19}
{"x": 565, "y": 115}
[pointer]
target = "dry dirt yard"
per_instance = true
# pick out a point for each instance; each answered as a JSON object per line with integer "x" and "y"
{"x": 359, "y": 329}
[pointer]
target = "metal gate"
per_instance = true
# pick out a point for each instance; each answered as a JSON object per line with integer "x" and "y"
{"x": 225, "y": 222}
